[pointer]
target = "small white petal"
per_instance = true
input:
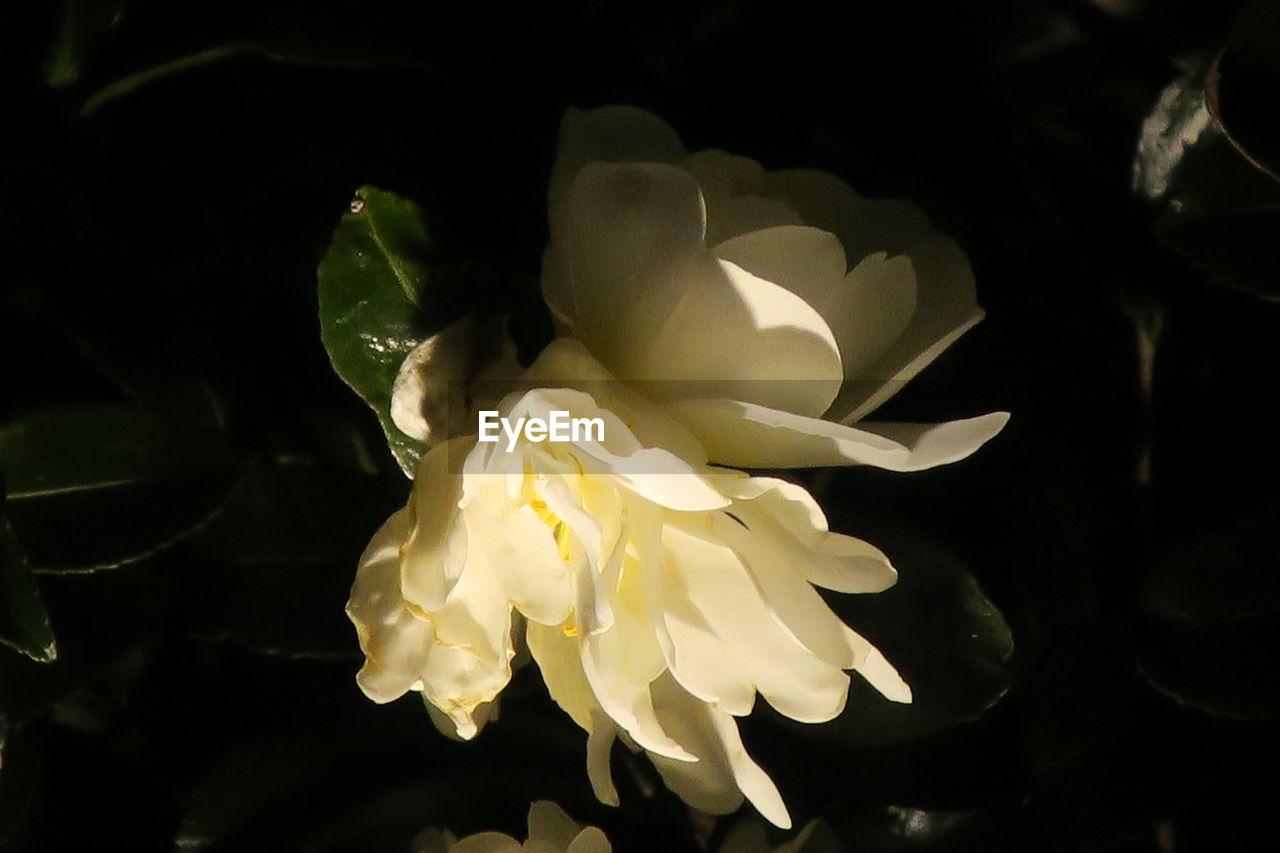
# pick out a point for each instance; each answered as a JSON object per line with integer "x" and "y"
{"x": 590, "y": 840}
{"x": 601, "y": 734}
{"x": 486, "y": 842}
{"x": 549, "y": 823}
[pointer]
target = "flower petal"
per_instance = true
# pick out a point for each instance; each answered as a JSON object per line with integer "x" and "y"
{"x": 591, "y": 840}
{"x": 557, "y": 657}
{"x": 549, "y": 823}
{"x": 766, "y": 344}
{"x": 612, "y": 134}
{"x": 947, "y": 307}
{"x": 750, "y": 436}
{"x": 786, "y": 514}
{"x": 731, "y": 187}
{"x": 620, "y": 223}
{"x": 863, "y": 225}
{"x": 486, "y": 842}
{"x": 514, "y": 545}
{"x": 430, "y": 396}
{"x": 567, "y": 363}
{"x": 600, "y": 737}
{"x": 724, "y": 771}
{"x": 434, "y": 552}
{"x": 867, "y": 308}
{"x": 394, "y": 640}
{"x": 726, "y": 643}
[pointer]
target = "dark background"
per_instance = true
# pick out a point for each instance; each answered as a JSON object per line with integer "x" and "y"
{"x": 161, "y": 227}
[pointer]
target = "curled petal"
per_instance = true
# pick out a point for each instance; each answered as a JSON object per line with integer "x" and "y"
{"x": 724, "y": 773}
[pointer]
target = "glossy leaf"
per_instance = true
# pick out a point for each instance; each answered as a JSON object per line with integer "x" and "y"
{"x": 1212, "y": 608}
{"x": 128, "y": 485}
{"x": 371, "y": 284}
{"x": 291, "y": 536}
{"x": 84, "y": 24}
{"x": 24, "y": 623}
{"x": 1215, "y": 205}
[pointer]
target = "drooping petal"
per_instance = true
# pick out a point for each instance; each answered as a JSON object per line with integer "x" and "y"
{"x": 600, "y": 739}
{"x": 947, "y": 307}
{"x": 487, "y": 842}
{"x": 395, "y": 641}
{"x": 726, "y": 642}
{"x": 724, "y": 773}
{"x": 548, "y": 823}
{"x": 434, "y": 550}
{"x": 786, "y": 518}
{"x": 557, "y": 657}
{"x": 591, "y": 840}
{"x": 750, "y": 436}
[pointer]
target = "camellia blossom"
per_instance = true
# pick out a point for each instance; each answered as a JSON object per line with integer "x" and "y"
{"x": 551, "y": 830}
{"x": 656, "y": 593}
{"x": 710, "y": 314}
{"x": 769, "y": 311}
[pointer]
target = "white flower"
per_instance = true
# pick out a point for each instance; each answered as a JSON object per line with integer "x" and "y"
{"x": 657, "y": 594}
{"x": 551, "y": 830}
{"x": 768, "y": 311}
{"x": 753, "y": 319}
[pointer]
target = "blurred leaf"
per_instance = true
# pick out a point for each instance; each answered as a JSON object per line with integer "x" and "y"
{"x": 351, "y": 38}
{"x": 891, "y": 829}
{"x": 22, "y": 773}
{"x": 283, "y": 557}
{"x": 1214, "y": 205}
{"x": 84, "y": 24}
{"x": 1243, "y": 86}
{"x": 24, "y": 623}
{"x": 949, "y": 642}
{"x": 127, "y": 484}
{"x": 1213, "y": 610}
{"x": 371, "y": 281}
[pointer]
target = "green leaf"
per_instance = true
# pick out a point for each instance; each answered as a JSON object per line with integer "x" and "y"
{"x": 24, "y": 624}
{"x": 1215, "y": 205}
{"x": 1212, "y": 614}
{"x": 292, "y": 535}
{"x": 128, "y": 485}
{"x": 371, "y": 282}
{"x": 84, "y": 24}
{"x": 334, "y": 43}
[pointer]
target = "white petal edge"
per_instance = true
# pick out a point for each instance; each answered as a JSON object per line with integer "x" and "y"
{"x": 745, "y": 435}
